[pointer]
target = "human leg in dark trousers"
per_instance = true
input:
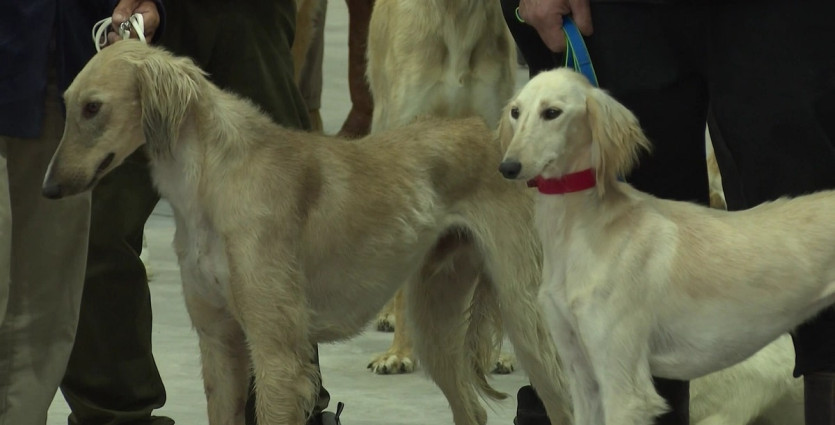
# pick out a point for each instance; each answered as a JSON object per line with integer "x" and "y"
{"x": 245, "y": 48}
{"x": 358, "y": 122}
{"x": 772, "y": 103}
{"x": 111, "y": 377}
{"x": 649, "y": 59}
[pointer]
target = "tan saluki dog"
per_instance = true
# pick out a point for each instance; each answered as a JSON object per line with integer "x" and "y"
{"x": 286, "y": 238}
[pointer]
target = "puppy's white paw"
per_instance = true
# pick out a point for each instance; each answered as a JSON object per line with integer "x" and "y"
{"x": 385, "y": 322}
{"x": 392, "y": 363}
{"x": 505, "y": 364}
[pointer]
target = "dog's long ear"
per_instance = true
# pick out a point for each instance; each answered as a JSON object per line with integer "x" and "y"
{"x": 504, "y": 132}
{"x": 617, "y": 138}
{"x": 167, "y": 87}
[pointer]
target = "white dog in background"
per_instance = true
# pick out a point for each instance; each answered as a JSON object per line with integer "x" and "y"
{"x": 446, "y": 58}
{"x": 636, "y": 286}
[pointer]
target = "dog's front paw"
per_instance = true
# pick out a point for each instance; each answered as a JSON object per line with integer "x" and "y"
{"x": 505, "y": 364}
{"x": 385, "y": 322}
{"x": 392, "y": 363}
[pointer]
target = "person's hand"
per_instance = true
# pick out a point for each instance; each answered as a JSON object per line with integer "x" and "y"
{"x": 546, "y": 17}
{"x": 126, "y": 8}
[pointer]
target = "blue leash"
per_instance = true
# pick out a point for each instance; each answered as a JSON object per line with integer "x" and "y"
{"x": 576, "y": 54}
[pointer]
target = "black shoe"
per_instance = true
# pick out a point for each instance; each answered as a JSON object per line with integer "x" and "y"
{"x": 327, "y": 418}
{"x": 819, "y": 397}
{"x": 529, "y": 408}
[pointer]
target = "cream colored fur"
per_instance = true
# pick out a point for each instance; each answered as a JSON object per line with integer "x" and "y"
{"x": 445, "y": 58}
{"x": 634, "y": 285}
{"x": 440, "y": 58}
{"x": 286, "y": 238}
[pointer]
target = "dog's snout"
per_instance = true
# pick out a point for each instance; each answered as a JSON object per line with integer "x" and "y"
{"x": 510, "y": 169}
{"x": 52, "y": 191}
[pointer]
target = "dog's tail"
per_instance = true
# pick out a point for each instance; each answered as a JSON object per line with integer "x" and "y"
{"x": 484, "y": 336}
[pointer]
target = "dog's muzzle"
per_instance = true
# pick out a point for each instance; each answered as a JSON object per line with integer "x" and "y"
{"x": 510, "y": 169}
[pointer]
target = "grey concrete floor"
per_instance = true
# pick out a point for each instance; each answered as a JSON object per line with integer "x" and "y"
{"x": 370, "y": 399}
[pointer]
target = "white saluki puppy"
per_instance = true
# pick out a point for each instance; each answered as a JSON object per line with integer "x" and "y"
{"x": 635, "y": 286}
{"x": 443, "y": 58}
{"x": 286, "y": 237}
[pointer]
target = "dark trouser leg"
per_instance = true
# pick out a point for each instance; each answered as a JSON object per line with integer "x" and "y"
{"x": 111, "y": 377}
{"x": 773, "y": 103}
{"x": 245, "y": 48}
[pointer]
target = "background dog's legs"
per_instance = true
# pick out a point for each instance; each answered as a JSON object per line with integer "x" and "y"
{"x": 437, "y": 309}
{"x": 386, "y": 320}
{"x": 398, "y": 358}
{"x": 585, "y": 392}
{"x": 224, "y": 359}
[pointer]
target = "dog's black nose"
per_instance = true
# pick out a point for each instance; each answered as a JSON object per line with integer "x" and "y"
{"x": 52, "y": 191}
{"x": 510, "y": 169}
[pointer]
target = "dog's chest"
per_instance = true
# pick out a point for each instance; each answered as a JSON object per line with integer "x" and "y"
{"x": 566, "y": 255}
{"x": 203, "y": 263}
{"x": 201, "y": 252}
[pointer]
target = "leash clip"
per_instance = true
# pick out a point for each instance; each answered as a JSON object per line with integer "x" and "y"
{"x": 101, "y": 28}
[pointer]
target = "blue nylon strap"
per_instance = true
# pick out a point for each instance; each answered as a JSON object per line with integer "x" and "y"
{"x": 576, "y": 55}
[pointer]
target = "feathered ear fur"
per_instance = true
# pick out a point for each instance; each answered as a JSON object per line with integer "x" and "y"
{"x": 167, "y": 87}
{"x": 504, "y": 133}
{"x": 617, "y": 138}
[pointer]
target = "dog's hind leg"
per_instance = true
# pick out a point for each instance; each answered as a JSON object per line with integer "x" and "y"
{"x": 513, "y": 263}
{"x": 385, "y": 319}
{"x": 224, "y": 358}
{"x": 437, "y": 303}
{"x": 398, "y": 358}
{"x": 535, "y": 351}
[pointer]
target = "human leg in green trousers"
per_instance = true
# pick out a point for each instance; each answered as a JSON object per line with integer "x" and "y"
{"x": 112, "y": 377}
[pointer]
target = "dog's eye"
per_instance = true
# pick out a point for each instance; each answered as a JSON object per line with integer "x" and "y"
{"x": 550, "y": 113}
{"x": 514, "y": 112}
{"x": 91, "y": 109}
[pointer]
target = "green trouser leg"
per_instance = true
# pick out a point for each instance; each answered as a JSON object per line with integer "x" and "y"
{"x": 111, "y": 377}
{"x": 245, "y": 48}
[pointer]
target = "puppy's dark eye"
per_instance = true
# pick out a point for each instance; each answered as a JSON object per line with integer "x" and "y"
{"x": 91, "y": 109}
{"x": 514, "y": 112}
{"x": 550, "y": 113}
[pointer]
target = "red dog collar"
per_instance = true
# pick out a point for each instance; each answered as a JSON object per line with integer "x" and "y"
{"x": 574, "y": 182}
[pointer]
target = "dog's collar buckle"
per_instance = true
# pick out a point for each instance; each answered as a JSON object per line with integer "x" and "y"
{"x": 574, "y": 182}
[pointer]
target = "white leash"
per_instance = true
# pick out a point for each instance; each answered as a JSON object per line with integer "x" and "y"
{"x": 135, "y": 22}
